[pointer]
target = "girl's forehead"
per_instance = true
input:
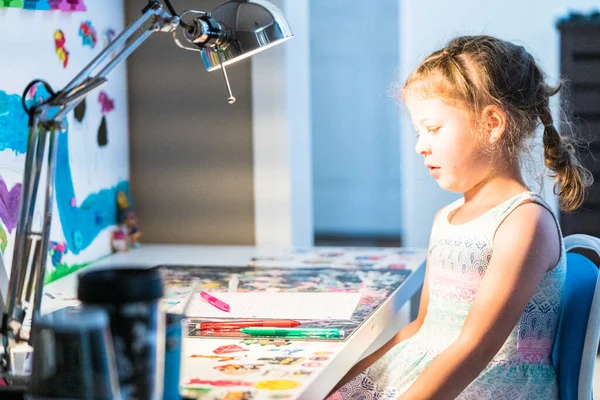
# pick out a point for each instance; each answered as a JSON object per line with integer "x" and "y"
{"x": 432, "y": 107}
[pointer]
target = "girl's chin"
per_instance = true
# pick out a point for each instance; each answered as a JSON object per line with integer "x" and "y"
{"x": 449, "y": 186}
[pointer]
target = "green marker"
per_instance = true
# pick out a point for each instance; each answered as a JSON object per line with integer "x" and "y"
{"x": 293, "y": 332}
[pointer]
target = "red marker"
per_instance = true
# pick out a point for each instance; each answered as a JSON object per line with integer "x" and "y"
{"x": 275, "y": 323}
{"x": 215, "y": 302}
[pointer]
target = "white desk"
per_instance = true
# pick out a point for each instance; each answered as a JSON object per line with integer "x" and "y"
{"x": 310, "y": 369}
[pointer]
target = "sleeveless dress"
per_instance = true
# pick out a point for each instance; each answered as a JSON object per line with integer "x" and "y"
{"x": 458, "y": 258}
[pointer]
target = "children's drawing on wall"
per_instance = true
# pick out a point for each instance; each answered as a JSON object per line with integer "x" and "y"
{"x": 56, "y": 252}
{"x": 3, "y": 240}
{"x": 90, "y": 168}
{"x": 109, "y": 35}
{"x": 67, "y": 5}
{"x": 3, "y": 103}
{"x": 79, "y": 111}
{"x": 11, "y": 3}
{"x": 80, "y": 223}
{"x": 107, "y": 104}
{"x": 13, "y": 137}
{"x": 55, "y": 5}
{"x": 13, "y": 144}
{"x": 61, "y": 51}
{"x": 36, "y": 5}
{"x": 88, "y": 34}
{"x": 9, "y": 204}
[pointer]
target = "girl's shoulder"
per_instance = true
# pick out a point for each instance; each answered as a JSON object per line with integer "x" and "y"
{"x": 488, "y": 222}
{"x": 503, "y": 210}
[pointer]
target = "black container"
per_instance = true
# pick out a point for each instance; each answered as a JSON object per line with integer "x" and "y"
{"x": 73, "y": 356}
{"x": 131, "y": 296}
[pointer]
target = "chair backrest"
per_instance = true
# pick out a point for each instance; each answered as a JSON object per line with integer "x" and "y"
{"x": 576, "y": 344}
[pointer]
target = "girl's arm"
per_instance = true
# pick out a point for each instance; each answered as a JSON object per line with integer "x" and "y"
{"x": 406, "y": 332}
{"x": 526, "y": 246}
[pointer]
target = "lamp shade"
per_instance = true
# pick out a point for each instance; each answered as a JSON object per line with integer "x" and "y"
{"x": 255, "y": 25}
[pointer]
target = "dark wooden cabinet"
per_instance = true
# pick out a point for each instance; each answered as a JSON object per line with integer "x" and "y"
{"x": 580, "y": 66}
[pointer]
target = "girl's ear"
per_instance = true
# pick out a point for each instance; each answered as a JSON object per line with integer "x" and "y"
{"x": 495, "y": 122}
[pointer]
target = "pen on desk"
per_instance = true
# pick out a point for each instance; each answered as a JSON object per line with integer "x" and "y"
{"x": 292, "y": 332}
{"x": 247, "y": 324}
{"x": 215, "y": 302}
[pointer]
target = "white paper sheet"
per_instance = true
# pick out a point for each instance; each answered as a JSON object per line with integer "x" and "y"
{"x": 277, "y": 305}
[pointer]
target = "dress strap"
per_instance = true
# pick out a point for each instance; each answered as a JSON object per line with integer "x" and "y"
{"x": 509, "y": 206}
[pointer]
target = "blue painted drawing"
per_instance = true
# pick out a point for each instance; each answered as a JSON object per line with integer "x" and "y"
{"x": 82, "y": 223}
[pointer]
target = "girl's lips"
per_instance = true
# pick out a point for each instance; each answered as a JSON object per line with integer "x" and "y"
{"x": 433, "y": 170}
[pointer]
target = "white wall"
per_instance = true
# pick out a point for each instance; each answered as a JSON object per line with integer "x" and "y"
{"x": 281, "y": 136}
{"x": 427, "y": 25}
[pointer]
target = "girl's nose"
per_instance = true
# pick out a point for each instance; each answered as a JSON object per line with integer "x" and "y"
{"x": 422, "y": 147}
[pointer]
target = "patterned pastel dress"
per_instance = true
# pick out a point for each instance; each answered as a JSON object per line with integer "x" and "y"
{"x": 458, "y": 258}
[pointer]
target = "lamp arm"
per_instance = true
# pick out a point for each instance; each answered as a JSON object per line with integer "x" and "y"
{"x": 154, "y": 18}
{"x": 45, "y": 124}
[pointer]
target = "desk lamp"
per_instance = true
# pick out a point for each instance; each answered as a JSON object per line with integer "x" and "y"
{"x": 235, "y": 30}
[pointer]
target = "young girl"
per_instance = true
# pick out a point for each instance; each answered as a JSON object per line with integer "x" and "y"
{"x": 496, "y": 265}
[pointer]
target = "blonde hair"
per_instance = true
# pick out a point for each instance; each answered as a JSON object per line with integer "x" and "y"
{"x": 483, "y": 70}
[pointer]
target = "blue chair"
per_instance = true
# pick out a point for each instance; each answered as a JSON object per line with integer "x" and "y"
{"x": 576, "y": 345}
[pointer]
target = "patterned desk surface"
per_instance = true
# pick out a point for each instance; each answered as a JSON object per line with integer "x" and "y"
{"x": 247, "y": 368}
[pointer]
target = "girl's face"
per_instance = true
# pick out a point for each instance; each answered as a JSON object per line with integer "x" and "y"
{"x": 448, "y": 141}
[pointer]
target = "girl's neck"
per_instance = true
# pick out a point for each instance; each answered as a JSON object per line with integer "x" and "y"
{"x": 496, "y": 188}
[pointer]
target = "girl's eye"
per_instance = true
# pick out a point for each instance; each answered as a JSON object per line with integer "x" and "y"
{"x": 431, "y": 129}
